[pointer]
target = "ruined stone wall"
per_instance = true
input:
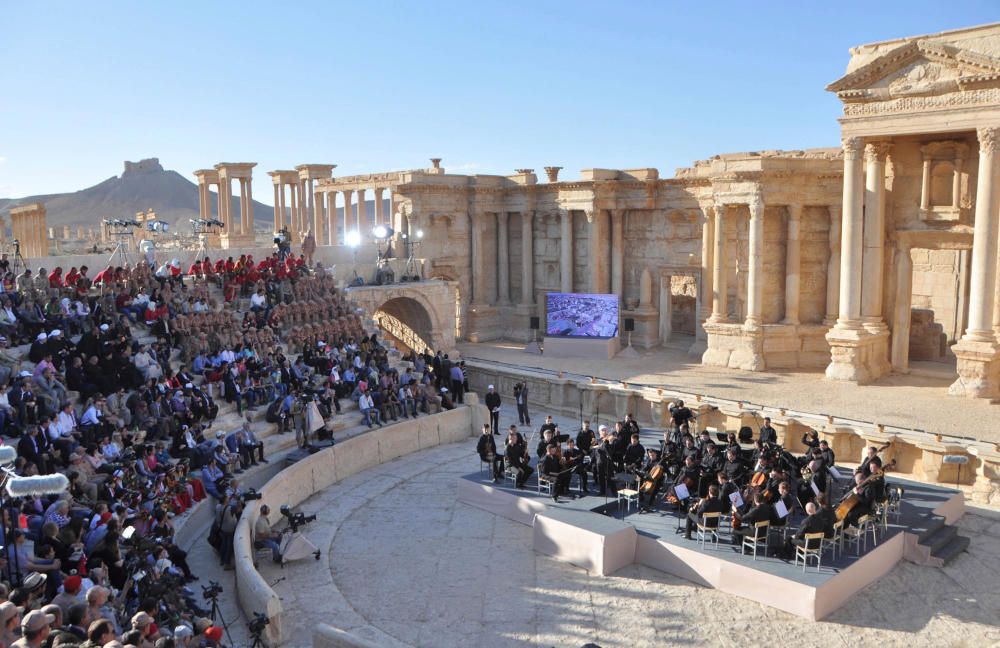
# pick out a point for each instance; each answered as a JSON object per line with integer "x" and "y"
{"x": 936, "y": 283}
{"x": 775, "y": 239}
{"x": 581, "y": 252}
{"x": 514, "y": 245}
{"x": 546, "y": 249}
{"x": 657, "y": 238}
{"x": 814, "y": 260}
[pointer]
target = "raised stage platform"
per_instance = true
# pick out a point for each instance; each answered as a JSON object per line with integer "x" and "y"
{"x": 601, "y": 537}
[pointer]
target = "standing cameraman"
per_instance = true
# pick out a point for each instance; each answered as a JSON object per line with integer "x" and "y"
{"x": 232, "y": 508}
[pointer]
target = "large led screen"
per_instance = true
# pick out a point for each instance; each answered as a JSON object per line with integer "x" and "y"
{"x": 580, "y": 315}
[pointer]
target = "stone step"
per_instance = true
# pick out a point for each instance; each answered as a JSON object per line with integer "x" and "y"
{"x": 931, "y": 525}
{"x": 940, "y": 538}
{"x": 952, "y": 549}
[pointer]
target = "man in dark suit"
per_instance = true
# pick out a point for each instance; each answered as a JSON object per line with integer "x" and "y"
{"x": 759, "y": 512}
{"x": 553, "y": 470}
{"x": 32, "y": 449}
{"x": 815, "y": 522}
{"x": 521, "y": 398}
{"x": 493, "y": 405}
{"x": 711, "y": 504}
{"x": 767, "y": 433}
{"x": 487, "y": 449}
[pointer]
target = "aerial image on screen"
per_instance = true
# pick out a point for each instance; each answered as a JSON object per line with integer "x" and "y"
{"x": 579, "y": 315}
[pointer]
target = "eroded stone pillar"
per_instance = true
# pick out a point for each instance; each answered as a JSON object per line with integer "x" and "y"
{"x": 901, "y": 310}
{"x": 244, "y": 223}
{"x": 851, "y": 240}
{"x": 618, "y": 253}
{"x": 503, "y": 260}
{"x": 833, "y": 267}
{"x": 720, "y": 307}
{"x": 874, "y": 237}
{"x": 598, "y": 261}
{"x": 793, "y": 263}
{"x": 707, "y": 266}
{"x": 566, "y": 250}
{"x": 977, "y": 351}
{"x": 277, "y": 203}
{"x": 480, "y": 273}
{"x": 362, "y": 211}
{"x": 318, "y": 217}
{"x": 755, "y": 283}
{"x": 348, "y": 216}
{"x": 527, "y": 257}
{"x": 296, "y": 227}
{"x": 379, "y": 208}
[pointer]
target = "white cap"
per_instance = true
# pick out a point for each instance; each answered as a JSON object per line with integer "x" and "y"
{"x": 220, "y": 434}
{"x": 188, "y": 386}
{"x": 490, "y": 387}
{"x": 602, "y": 427}
{"x": 40, "y": 337}
{"x": 444, "y": 390}
{"x": 55, "y": 332}
{"x": 104, "y": 327}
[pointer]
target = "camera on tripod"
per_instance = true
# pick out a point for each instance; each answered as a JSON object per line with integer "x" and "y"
{"x": 211, "y": 591}
{"x": 258, "y": 623}
{"x": 251, "y": 494}
{"x": 296, "y": 520}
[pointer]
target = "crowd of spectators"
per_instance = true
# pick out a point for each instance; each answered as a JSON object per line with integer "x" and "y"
{"x": 117, "y": 388}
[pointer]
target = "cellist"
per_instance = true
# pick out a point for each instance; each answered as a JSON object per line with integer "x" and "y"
{"x": 650, "y": 484}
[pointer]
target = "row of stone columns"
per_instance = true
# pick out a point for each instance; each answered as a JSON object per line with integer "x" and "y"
{"x": 27, "y": 225}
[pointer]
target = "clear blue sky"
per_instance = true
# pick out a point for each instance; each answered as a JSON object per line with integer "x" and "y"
{"x": 373, "y": 86}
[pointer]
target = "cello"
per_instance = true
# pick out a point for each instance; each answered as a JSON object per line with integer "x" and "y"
{"x": 849, "y": 502}
{"x": 655, "y": 475}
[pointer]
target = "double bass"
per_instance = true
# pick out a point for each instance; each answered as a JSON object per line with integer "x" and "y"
{"x": 654, "y": 476}
{"x": 849, "y": 502}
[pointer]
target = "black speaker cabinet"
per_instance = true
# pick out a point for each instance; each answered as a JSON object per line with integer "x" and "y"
{"x": 534, "y": 323}
{"x": 629, "y": 324}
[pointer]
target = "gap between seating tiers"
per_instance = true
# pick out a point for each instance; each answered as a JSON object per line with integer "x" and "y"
{"x": 575, "y": 531}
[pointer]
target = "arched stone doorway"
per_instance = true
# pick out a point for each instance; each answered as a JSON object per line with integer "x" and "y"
{"x": 406, "y": 321}
{"x": 417, "y": 313}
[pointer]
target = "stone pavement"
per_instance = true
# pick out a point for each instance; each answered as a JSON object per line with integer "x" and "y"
{"x": 404, "y": 563}
{"x": 909, "y": 401}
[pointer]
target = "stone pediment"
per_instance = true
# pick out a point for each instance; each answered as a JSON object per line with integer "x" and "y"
{"x": 919, "y": 68}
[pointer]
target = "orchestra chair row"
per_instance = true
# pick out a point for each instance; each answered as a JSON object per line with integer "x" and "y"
{"x": 708, "y": 529}
{"x": 761, "y": 536}
{"x": 858, "y": 535}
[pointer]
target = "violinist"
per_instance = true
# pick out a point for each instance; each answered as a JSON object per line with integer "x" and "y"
{"x": 487, "y": 449}
{"x": 635, "y": 454}
{"x": 759, "y": 512}
{"x": 783, "y": 495}
{"x": 704, "y": 440}
{"x": 543, "y": 445}
{"x": 548, "y": 426}
{"x": 517, "y": 456}
{"x": 689, "y": 450}
{"x": 710, "y": 504}
{"x": 552, "y": 468}
{"x": 726, "y": 487}
{"x": 826, "y": 451}
{"x": 687, "y": 475}
{"x": 646, "y": 472}
{"x": 574, "y": 459}
{"x": 871, "y": 460}
{"x": 585, "y": 438}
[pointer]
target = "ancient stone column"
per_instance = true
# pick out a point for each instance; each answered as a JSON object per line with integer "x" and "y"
{"x": 362, "y": 211}
{"x": 720, "y": 307}
{"x": 527, "y": 257}
{"x": 203, "y": 200}
{"x": 793, "y": 262}
{"x": 755, "y": 284}
{"x": 598, "y": 261}
{"x": 566, "y": 250}
{"x": 705, "y": 285}
{"x": 618, "y": 252}
{"x": 244, "y": 225}
{"x": 318, "y": 217}
{"x": 379, "y": 208}
{"x": 956, "y": 182}
{"x": 851, "y": 241}
{"x": 901, "y": 311}
{"x": 248, "y": 210}
{"x": 503, "y": 260}
{"x": 480, "y": 273}
{"x": 224, "y": 205}
{"x": 925, "y": 184}
{"x": 331, "y": 213}
{"x": 984, "y": 241}
{"x": 874, "y": 236}
{"x": 280, "y": 220}
{"x": 833, "y": 267}
{"x": 277, "y": 206}
{"x": 295, "y": 218}
{"x": 348, "y": 216}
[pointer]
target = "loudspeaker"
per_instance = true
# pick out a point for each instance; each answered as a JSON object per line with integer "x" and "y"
{"x": 629, "y": 324}
{"x": 534, "y": 323}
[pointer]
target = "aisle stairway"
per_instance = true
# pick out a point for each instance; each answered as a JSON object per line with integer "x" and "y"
{"x": 942, "y": 540}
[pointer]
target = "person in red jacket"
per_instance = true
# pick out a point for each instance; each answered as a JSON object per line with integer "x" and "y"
{"x": 104, "y": 276}
{"x": 56, "y": 278}
{"x": 71, "y": 277}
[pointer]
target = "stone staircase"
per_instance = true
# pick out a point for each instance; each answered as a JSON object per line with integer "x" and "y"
{"x": 941, "y": 540}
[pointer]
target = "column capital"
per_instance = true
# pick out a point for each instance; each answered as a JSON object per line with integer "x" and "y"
{"x": 794, "y": 211}
{"x": 853, "y": 147}
{"x": 876, "y": 151}
{"x": 589, "y": 213}
{"x": 989, "y": 138}
{"x": 756, "y": 205}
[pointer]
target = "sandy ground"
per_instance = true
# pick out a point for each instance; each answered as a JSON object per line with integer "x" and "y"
{"x": 910, "y": 401}
{"x": 405, "y": 563}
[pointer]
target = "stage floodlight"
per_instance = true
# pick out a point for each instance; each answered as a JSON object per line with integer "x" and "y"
{"x": 381, "y": 232}
{"x": 353, "y": 238}
{"x": 420, "y": 234}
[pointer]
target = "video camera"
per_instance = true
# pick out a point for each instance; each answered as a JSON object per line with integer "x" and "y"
{"x": 257, "y": 624}
{"x": 211, "y": 591}
{"x": 118, "y": 222}
{"x": 295, "y": 520}
{"x": 251, "y": 494}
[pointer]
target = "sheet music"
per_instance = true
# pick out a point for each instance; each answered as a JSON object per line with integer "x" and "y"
{"x": 782, "y": 510}
{"x": 812, "y": 484}
{"x": 736, "y": 499}
{"x": 836, "y": 473}
{"x": 681, "y": 491}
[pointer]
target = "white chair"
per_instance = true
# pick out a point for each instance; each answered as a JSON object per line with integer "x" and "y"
{"x": 708, "y": 528}
{"x": 858, "y": 535}
{"x": 545, "y": 483}
{"x": 812, "y": 547}
{"x": 761, "y": 536}
{"x": 836, "y": 542}
{"x": 630, "y": 496}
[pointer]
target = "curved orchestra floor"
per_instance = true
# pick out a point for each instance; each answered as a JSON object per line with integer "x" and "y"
{"x": 404, "y": 562}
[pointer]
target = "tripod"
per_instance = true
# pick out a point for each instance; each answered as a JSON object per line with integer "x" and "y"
{"x": 19, "y": 265}
{"x": 121, "y": 250}
{"x": 217, "y": 612}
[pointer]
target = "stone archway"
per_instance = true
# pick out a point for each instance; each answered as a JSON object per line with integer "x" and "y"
{"x": 415, "y": 313}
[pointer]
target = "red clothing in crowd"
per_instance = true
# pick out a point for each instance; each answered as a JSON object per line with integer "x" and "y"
{"x": 104, "y": 275}
{"x": 55, "y": 278}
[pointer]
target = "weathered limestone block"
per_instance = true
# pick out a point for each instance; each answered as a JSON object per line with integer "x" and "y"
{"x": 927, "y": 337}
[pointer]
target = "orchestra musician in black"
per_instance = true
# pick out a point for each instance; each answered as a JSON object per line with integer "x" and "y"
{"x": 711, "y": 463}
{"x": 829, "y": 458}
{"x": 585, "y": 438}
{"x": 710, "y": 504}
{"x": 645, "y": 473}
{"x": 516, "y": 456}
{"x": 734, "y": 467}
{"x": 767, "y": 433}
{"x": 630, "y": 425}
{"x": 487, "y": 449}
{"x": 603, "y": 467}
{"x": 542, "y": 448}
{"x": 815, "y": 522}
{"x": 635, "y": 454}
{"x": 866, "y": 499}
{"x": 872, "y": 459}
{"x": 574, "y": 458}
{"x": 759, "y": 512}
{"x": 551, "y": 466}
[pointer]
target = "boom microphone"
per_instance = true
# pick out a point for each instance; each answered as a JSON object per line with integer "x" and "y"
{"x": 37, "y": 485}
{"x": 7, "y": 455}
